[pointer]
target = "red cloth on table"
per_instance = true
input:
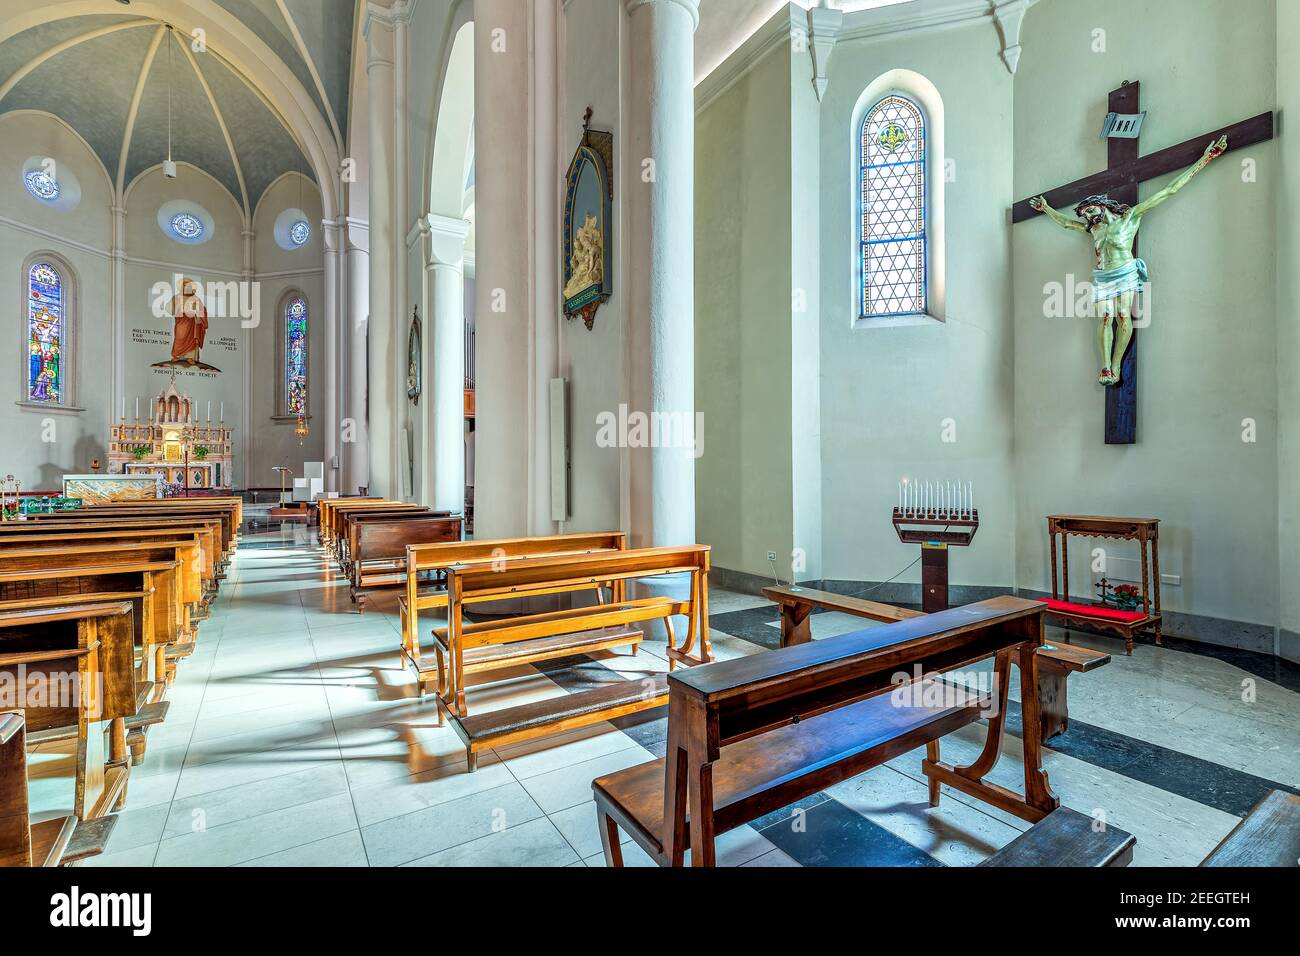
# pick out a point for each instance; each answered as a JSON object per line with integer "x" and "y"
{"x": 1093, "y": 610}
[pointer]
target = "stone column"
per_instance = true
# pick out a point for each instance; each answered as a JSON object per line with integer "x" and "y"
{"x": 383, "y": 412}
{"x": 328, "y": 378}
{"x": 660, "y": 249}
{"x": 354, "y": 431}
{"x": 443, "y": 402}
{"x": 248, "y": 276}
{"x": 117, "y": 258}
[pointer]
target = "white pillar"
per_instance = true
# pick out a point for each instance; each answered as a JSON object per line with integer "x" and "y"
{"x": 503, "y": 304}
{"x": 383, "y": 411}
{"x": 402, "y": 306}
{"x": 443, "y": 402}
{"x": 117, "y": 256}
{"x": 355, "y": 433}
{"x": 328, "y": 400}
{"x": 659, "y": 231}
{"x": 248, "y": 275}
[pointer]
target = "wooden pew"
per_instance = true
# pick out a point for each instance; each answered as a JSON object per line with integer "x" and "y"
{"x": 1056, "y": 661}
{"x": 462, "y": 648}
{"x": 156, "y": 582}
{"x": 754, "y": 734}
{"x": 208, "y": 530}
{"x": 189, "y": 581}
{"x": 151, "y": 708}
{"x": 1268, "y": 836}
{"x": 324, "y": 506}
{"x": 182, "y": 539}
{"x": 1067, "y": 838}
{"x": 228, "y": 511}
{"x": 431, "y": 560}
{"x": 329, "y": 514}
{"x": 377, "y": 546}
{"x": 75, "y": 668}
{"x": 23, "y": 843}
{"x": 337, "y": 531}
{"x": 347, "y": 541}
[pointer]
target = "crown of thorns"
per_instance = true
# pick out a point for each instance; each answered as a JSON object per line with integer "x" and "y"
{"x": 1114, "y": 205}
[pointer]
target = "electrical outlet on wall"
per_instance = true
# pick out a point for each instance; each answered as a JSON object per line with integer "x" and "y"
{"x": 771, "y": 555}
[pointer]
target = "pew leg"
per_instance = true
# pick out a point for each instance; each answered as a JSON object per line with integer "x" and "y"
{"x": 471, "y": 760}
{"x": 1053, "y": 705}
{"x": 609, "y": 839}
{"x": 932, "y": 754}
{"x": 672, "y": 642}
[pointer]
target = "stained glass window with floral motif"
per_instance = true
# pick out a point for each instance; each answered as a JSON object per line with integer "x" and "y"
{"x": 295, "y": 356}
{"x": 45, "y": 334}
{"x": 892, "y": 189}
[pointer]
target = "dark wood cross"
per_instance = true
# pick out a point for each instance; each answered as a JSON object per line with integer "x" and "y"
{"x": 1124, "y": 170}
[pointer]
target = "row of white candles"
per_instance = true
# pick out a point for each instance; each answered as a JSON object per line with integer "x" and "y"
{"x": 137, "y": 409}
{"x": 947, "y": 497}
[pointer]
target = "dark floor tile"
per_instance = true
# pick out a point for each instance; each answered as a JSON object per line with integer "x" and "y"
{"x": 834, "y": 835}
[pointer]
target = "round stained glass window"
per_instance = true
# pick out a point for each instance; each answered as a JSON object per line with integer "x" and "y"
{"x": 299, "y": 232}
{"x": 186, "y": 225}
{"x": 41, "y": 184}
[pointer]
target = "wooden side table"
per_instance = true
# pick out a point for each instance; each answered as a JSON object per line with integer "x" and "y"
{"x": 1146, "y": 532}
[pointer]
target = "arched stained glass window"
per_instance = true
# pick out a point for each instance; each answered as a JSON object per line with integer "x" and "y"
{"x": 892, "y": 251}
{"x": 46, "y": 334}
{"x": 295, "y": 356}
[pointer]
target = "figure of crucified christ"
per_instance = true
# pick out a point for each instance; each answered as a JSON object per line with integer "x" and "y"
{"x": 1118, "y": 274}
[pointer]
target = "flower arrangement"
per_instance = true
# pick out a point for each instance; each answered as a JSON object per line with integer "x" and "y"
{"x": 1127, "y": 596}
{"x": 201, "y": 452}
{"x": 140, "y": 451}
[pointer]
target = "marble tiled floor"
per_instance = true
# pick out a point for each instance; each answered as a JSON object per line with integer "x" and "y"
{"x": 294, "y": 739}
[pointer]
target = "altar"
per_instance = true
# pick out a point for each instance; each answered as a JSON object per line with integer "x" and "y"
{"x": 98, "y": 489}
{"x": 175, "y": 446}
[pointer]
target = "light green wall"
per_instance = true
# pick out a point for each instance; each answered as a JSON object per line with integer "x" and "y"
{"x": 1288, "y": 331}
{"x": 886, "y": 392}
{"x": 743, "y": 319}
{"x": 1209, "y": 359}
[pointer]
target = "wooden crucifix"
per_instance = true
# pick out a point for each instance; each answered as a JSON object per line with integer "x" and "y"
{"x": 1116, "y": 190}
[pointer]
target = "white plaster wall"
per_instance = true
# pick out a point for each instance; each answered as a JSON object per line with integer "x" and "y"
{"x": 154, "y": 258}
{"x": 82, "y": 236}
{"x": 743, "y": 247}
{"x": 593, "y": 361}
{"x": 886, "y": 392}
{"x": 1209, "y": 359}
{"x": 277, "y": 270}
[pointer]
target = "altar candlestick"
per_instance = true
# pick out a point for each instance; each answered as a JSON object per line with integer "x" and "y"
{"x": 137, "y": 408}
{"x": 223, "y": 411}
{"x": 209, "y": 410}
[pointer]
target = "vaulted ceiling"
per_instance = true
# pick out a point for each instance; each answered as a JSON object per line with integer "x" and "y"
{"x": 89, "y": 70}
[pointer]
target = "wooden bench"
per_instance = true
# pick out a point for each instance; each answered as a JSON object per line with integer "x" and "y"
{"x": 23, "y": 843}
{"x": 1056, "y": 661}
{"x": 207, "y": 530}
{"x": 183, "y": 540}
{"x": 325, "y": 505}
{"x": 377, "y": 546}
{"x": 1098, "y": 617}
{"x": 1064, "y": 838}
{"x": 427, "y": 564}
{"x": 1268, "y": 836}
{"x": 187, "y": 588}
{"x": 228, "y": 511}
{"x": 331, "y": 527}
{"x": 462, "y": 648}
{"x": 160, "y": 626}
{"x": 348, "y": 523}
{"x": 74, "y": 667}
{"x": 752, "y": 735}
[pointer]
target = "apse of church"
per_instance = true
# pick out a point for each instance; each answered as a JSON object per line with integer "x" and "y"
{"x": 178, "y": 442}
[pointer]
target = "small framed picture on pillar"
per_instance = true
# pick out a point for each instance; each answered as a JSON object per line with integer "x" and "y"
{"x": 587, "y": 278}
